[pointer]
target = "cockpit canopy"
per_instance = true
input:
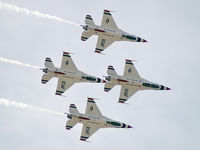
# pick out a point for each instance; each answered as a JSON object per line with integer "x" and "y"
{"x": 129, "y": 37}
{"x": 150, "y": 85}
{"x": 113, "y": 123}
{"x": 88, "y": 78}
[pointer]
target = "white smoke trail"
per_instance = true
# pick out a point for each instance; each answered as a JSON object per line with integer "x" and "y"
{"x": 18, "y": 63}
{"x": 35, "y": 13}
{"x": 7, "y": 102}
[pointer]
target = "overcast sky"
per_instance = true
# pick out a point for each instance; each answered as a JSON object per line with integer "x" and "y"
{"x": 161, "y": 119}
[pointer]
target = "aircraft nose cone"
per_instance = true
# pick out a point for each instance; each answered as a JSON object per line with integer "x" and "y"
{"x": 144, "y": 40}
{"x": 129, "y": 126}
{"x": 168, "y": 88}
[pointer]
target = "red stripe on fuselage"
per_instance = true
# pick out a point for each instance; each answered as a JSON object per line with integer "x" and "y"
{"x": 59, "y": 73}
{"x": 99, "y": 30}
{"x": 122, "y": 80}
{"x": 84, "y": 118}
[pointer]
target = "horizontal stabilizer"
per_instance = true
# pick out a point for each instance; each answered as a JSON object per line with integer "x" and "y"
{"x": 86, "y": 35}
{"x": 48, "y": 63}
{"x": 45, "y": 78}
{"x": 71, "y": 123}
{"x": 89, "y": 20}
{"x": 111, "y": 70}
{"x": 73, "y": 109}
{"x": 108, "y": 86}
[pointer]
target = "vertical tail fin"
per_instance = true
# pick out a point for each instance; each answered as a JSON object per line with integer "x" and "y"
{"x": 111, "y": 71}
{"x": 89, "y": 20}
{"x": 73, "y": 109}
{"x": 48, "y": 63}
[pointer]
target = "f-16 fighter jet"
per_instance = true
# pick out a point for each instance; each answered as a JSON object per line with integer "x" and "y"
{"x": 67, "y": 75}
{"x": 92, "y": 120}
{"x": 108, "y": 32}
{"x": 130, "y": 82}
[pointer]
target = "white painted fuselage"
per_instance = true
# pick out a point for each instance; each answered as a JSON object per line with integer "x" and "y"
{"x": 100, "y": 121}
{"x": 117, "y": 34}
{"x": 78, "y": 76}
{"x": 140, "y": 84}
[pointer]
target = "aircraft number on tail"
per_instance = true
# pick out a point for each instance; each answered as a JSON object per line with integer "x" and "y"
{"x": 107, "y": 20}
{"x": 129, "y": 70}
{"x": 67, "y": 63}
{"x": 103, "y": 42}
{"x": 87, "y": 130}
{"x": 63, "y": 85}
{"x": 126, "y": 92}
{"x": 91, "y": 108}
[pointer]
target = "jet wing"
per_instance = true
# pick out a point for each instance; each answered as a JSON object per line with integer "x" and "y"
{"x": 86, "y": 35}
{"x": 67, "y": 63}
{"x": 88, "y": 130}
{"x": 108, "y": 20}
{"x": 130, "y": 70}
{"x": 45, "y": 78}
{"x": 70, "y": 123}
{"x": 63, "y": 85}
{"x": 103, "y": 42}
{"x": 108, "y": 86}
{"x": 126, "y": 93}
{"x": 92, "y": 109}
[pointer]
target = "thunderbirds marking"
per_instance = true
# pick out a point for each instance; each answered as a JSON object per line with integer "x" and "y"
{"x": 130, "y": 82}
{"x": 107, "y": 33}
{"x": 67, "y": 75}
{"x": 92, "y": 120}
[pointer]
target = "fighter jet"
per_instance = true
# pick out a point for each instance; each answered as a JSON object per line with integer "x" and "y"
{"x": 92, "y": 120}
{"x": 130, "y": 82}
{"x": 108, "y": 32}
{"x": 67, "y": 75}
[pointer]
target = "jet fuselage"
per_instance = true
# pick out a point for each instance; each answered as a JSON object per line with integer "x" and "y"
{"x": 117, "y": 34}
{"x": 101, "y": 121}
{"x": 77, "y": 76}
{"x": 141, "y": 84}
